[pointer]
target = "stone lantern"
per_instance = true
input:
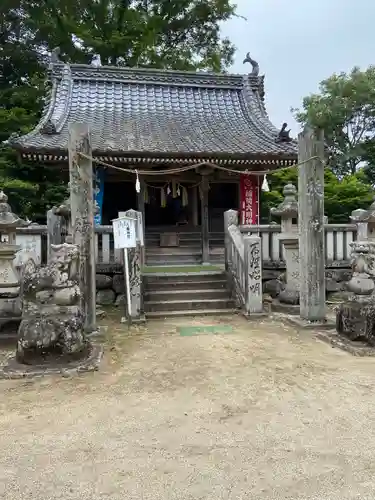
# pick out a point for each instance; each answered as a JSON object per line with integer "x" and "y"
{"x": 288, "y": 212}
{"x": 10, "y": 302}
{"x": 64, "y": 210}
{"x": 355, "y": 317}
{"x": 365, "y": 222}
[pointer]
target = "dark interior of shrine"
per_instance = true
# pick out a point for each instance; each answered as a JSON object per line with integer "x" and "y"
{"x": 122, "y": 196}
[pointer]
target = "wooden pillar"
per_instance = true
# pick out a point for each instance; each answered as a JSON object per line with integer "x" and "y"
{"x": 311, "y": 225}
{"x": 205, "y": 222}
{"x": 194, "y": 205}
{"x": 141, "y": 210}
{"x": 82, "y": 216}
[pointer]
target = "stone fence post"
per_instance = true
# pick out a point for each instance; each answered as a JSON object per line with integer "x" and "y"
{"x": 230, "y": 218}
{"x": 135, "y": 270}
{"x": 253, "y": 275}
{"x": 288, "y": 212}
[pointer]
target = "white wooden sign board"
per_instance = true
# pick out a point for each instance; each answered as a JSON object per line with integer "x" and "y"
{"x": 124, "y": 232}
{"x": 139, "y": 225}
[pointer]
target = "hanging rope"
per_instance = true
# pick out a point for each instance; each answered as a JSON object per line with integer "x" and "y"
{"x": 192, "y": 167}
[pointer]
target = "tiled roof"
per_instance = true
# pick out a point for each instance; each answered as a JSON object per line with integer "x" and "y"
{"x": 146, "y": 112}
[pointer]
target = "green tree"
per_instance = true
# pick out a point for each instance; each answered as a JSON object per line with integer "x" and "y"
{"x": 345, "y": 110}
{"x": 341, "y": 196}
{"x": 177, "y": 34}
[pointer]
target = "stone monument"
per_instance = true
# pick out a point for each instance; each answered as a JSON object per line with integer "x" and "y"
{"x": 355, "y": 318}
{"x": 10, "y": 300}
{"x": 288, "y": 212}
{"x": 52, "y": 320}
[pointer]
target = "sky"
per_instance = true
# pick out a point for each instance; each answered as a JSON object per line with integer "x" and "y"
{"x": 299, "y": 43}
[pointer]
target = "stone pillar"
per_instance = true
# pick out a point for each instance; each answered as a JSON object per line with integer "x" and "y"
{"x": 253, "y": 270}
{"x": 54, "y": 229}
{"x": 205, "y": 221}
{"x": 311, "y": 225}
{"x": 287, "y": 211}
{"x": 194, "y": 205}
{"x": 135, "y": 270}
{"x": 230, "y": 218}
{"x": 82, "y": 215}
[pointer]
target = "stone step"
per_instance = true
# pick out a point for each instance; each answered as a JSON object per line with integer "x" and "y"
{"x": 190, "y": 295}
{"x": 186, "y": 243}
{"x": 150, "y": 251}
{"x": 155, "y": 286}
{"x": 190, "y": 313}
{"x": 169, "y": 279}
{"x": 181, "y": 260}
{"x": 185, "y": 305}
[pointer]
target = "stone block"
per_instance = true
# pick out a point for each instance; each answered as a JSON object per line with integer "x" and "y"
{"x": 103, "y": 282}
{"x": 120, "y": 300}
{"x": 118, "y": 283}
{"x": 273, "y": 287}
{"x": 105, "y": 297}
{"x": 169, "y": 240}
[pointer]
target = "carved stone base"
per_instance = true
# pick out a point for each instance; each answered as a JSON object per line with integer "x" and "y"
{"x": 279, "y": 307}
{"x": 356, "y": 321}
{"x": 302, "y": 324}
{"x": 15, "y": 370}
{"x": 356, "y": 348}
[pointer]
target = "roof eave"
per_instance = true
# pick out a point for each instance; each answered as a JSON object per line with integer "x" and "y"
{"x": 165, "y": 155}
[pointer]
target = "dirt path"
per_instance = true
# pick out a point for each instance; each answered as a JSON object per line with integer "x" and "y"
{"x": 260, "y": 413}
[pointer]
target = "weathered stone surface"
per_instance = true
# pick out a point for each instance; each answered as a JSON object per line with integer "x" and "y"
{"x": 333, "y": 286}
{"x": 118, "y": 283}
{"x": 355, "y": 318}
{"x": 289, "y": 296}
{"x": 120, "y": 300}
{"x": 103, "y": 281}
{"x": 273, "y": 287}
{"x": 52, "y": 321}
{"x": 105, "y": 297}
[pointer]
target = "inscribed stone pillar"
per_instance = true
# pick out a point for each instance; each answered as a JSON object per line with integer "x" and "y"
{"x": 82, "y": 216}
{"x": 135, "y": 282}
{"x": 230, "y": 218}
{"x": 253, "y": 273}
{"x": 311, "y": 225}
{"x": 135, "y": 268}
{"x": 288, "y": 211}
{"x": 205, "y": 220}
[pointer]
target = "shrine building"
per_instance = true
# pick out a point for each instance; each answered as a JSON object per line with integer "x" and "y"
{"x": 208, "y": 134}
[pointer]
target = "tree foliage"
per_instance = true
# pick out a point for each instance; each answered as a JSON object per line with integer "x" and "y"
{"x": 341, "y": 195}
{"x": 178, "y": 34}
{"x": 345, "y": 110}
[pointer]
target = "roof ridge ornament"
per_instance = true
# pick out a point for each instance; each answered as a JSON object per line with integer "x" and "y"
{"x": 254, "y": 64}
{"x": 283, "y": 135}
{"x": 48, "y": 128}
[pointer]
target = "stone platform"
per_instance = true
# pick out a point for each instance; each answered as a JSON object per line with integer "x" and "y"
{"x": 15, "y": 370}
{"x": 354, "y": 347}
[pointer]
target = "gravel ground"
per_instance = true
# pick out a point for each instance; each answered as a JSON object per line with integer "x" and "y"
{"x": 264, "y": 412}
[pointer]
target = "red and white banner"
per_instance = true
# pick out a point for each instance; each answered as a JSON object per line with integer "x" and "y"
{"x": 249, "y": 189}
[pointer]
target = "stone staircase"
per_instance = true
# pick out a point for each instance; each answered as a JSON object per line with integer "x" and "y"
{"x": 189, "y": 251}
{"x": 187, "y": 294}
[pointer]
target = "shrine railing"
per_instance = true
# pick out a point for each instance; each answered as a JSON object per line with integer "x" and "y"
{"x": 337, "y": 243}
{"x": 33, "y": 241}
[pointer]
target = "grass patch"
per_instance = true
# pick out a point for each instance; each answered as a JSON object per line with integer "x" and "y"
{"x": 179, "y": 269}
